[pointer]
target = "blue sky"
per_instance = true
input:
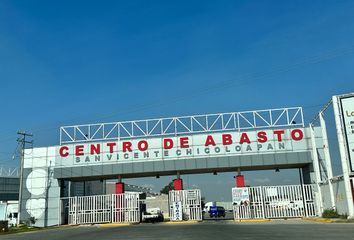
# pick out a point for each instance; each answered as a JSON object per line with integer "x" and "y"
{"x": 70, "y": 62}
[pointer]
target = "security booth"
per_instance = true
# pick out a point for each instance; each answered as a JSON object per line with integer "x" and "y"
{"x": 223, "y": 142}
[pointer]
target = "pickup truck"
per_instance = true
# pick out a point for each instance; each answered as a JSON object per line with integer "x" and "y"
{"x": 152, "y": 215}
{"x": 216, "y": 211}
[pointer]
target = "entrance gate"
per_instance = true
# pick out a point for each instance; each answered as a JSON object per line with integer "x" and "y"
{"x": 274, "y": 202}
{"x": 185, "y": 205}
{"x": 114, "y": 208}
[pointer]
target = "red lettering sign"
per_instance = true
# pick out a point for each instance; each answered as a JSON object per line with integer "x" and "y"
{"x": 167, "y": 143}
{"x": 63, "y": 151}
{"x": 262, "y": 137}
{"x": 209, "y": 141}
{"x": 95, "y": 149}
{"x": 127, "y": 146}
{"x": 244, "y": 138}
{"x": 297, "y": 134}
{"x": 143, "y": 145}
{"x": 79, "y": 150}
{"x": 183, "y": 141}
{"x": 111, "y": 145}
{"x": 279, "y": 133}
{"x": 226, "y": 139}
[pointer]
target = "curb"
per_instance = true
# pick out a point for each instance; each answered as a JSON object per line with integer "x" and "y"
{"x": 180, "y": 223}
{"x": 251, "y": 220}
{"x": 320, "y": 220}
{"x": 114, "y": 224}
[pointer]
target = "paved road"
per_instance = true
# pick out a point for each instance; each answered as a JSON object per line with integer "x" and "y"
{"x": 208, "y": 230}
{"x": 228, "y": 216}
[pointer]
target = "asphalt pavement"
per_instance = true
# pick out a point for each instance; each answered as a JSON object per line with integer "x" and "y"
{"x": 208, "y": 230}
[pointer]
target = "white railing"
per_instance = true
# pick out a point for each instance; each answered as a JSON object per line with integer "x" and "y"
{"x": 172, "y": 126}
{"x": 191, "y": 204}
{"x": 287, "y": 201}
{"x": 252, "y": 209}
{"x": 117, "y": 208}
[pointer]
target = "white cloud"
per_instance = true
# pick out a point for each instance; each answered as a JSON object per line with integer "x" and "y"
{"x": 148, "y": 185}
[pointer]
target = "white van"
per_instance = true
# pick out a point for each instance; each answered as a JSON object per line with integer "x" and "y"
{"x": 208, "y": 205}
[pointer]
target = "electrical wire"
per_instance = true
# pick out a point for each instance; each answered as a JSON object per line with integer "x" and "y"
{"x": 247, "y": 79}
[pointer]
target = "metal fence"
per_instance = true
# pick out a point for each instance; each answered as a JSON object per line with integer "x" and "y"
{"x": 191, "y": 204}
{"x": 277, "y": 202}
{"x": 104, "y": 208}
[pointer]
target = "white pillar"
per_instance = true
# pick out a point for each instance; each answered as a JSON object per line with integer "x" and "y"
{"x": 327, "y": 158}
{"x": 343, "y": 156}
{"x": 316, "y": 167}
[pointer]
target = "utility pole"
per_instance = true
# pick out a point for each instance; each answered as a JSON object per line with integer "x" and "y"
{"x": 22, "y": 141}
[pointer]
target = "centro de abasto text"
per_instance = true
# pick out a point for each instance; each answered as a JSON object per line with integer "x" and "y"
{"x": 199, "y": 145}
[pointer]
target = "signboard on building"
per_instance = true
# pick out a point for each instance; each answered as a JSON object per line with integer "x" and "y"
{"x": 183, "y": 147}
{"x": 240, "y": 196}
{"x": 347, "y": 104}
{"x": 177, "y": 214}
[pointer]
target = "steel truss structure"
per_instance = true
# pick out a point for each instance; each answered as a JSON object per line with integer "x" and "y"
{"x": 9, "y": 172}
{"x": 174, "y": 126}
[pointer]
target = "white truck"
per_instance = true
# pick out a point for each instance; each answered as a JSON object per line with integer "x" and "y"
{"x": 152, "y": 215}
{"x": 9, "y": 212}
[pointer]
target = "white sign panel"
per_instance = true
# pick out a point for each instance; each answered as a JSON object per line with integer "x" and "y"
{"x": 240, "y": 196}
{"x": 183, "y": 147}
{"x": 191, "y": 195}
{"x": 348, "y": 119}
{"x": 177, "y": 211}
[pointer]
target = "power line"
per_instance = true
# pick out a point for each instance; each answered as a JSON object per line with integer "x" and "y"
{"x": 247, "y": 79}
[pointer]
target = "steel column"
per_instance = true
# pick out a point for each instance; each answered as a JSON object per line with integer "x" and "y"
{"x": 316, "y": 167}
{"x": 344, "y": 156}
{"x": 327, "y": 157}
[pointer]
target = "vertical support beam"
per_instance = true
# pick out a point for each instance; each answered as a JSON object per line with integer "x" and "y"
{"x": 69, "y": 188}
{"x": 240, "y": 181}
{"x": 112, "y": 207}
{"x": 76, "y": 220}
{"x": 59, "y": 211}
{"x": 306, "y": 174}
{"x": 303, "y": 195}
{"x": 178, "y": 184}
{"x": 343, "y": 155}
{"x": 262, "y": 199}
{"x": 327, "y": 157}
{"x": 316, "y": 168}
{"x": 119, "y": 187}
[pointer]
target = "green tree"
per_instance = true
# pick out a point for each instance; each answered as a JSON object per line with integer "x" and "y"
{"x": 167, "y": 188}
{"x": 203, "y": 202}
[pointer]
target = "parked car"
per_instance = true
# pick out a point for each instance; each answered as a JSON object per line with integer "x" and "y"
{"x": 215, "y": 211}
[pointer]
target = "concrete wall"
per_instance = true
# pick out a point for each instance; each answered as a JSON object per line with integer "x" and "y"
{"x": 160, "y": 201}
{"x": 339, "y": 196}
{"x": 227, "y": 205}
{"x": 41, "y": 192}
